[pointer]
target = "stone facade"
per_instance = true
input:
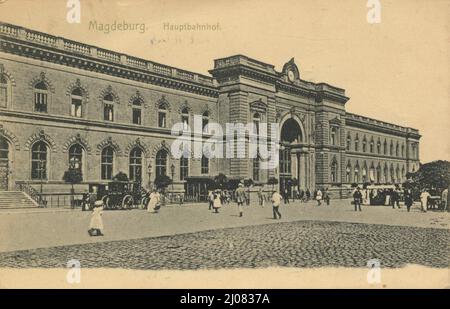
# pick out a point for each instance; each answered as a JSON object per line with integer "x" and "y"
{"x": 78, "y": 81}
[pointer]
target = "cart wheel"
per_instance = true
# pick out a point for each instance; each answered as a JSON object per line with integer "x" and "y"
{"x": 127, "y": 202}
{"x": 145, "y": 201}
{"x": 107, "y": 202}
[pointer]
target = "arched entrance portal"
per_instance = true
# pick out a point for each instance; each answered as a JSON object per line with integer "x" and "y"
{"x": 4, "y": 163}
{"x": 290, "y": 139}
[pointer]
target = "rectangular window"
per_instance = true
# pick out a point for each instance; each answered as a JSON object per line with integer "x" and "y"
{"x": 162, "y": 119}
{"x": 205, "y": 165}
{"x": 40, "y": 102}
{"x": 137, "y": 116}
{"x": 75, "y": 110}
{"x": 256, "y": 168}
{"x": 184, "y": 168}
{"x": 3, "y": 96}
{"x": 108, "y": 114}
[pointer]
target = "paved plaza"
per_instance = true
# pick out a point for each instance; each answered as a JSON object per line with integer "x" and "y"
{"x": 192, "y": 237}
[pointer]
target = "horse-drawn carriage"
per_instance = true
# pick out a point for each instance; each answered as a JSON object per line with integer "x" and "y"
{"x": 118, "y": 194}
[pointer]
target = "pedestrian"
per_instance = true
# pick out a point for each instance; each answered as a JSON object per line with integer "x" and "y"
{"x": 308, "y": 194}
{"x": 444, "y": 199}
{"x": 319, "y": 197}
{"x": 276, "y": 202}
{"x": 261, "y": 197}
{"x": 326, "y": 196}
{"x": 96, "y": 224}
{"x": 286, "y": 196}
{"x": 395, "y": 198}
{"x": 240, "y": 199}
{"x": 357, "y": 199}
{"x": 424, "y": 200}
{"x": 154, "y": 203}
{"x": 210, "y": 200}
{"x": 408, "y": 199}
{"x": 217, "y": 203}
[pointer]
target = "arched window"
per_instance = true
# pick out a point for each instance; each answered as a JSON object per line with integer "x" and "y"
{"x": 364, "y": 174}
{"x": 357, "y": 143}
{"x": 3, "y": 91}
{"x": 257, "y": 122}
{"x": 397, "y": 149}
{"x": 161, "y": 163}
{"x": 334, "y": 171}
{"x": 108, "y": 107}
{"x": 205, "y": 165}
{"x": 413, "y": 152}
{"x": 397, "y": 173}
{"x": 356, "y": 173}
{"x": 391, "y": 149}
{"x": 403, "y": 150}
{"x": 403, "y": 173}
{"x": 392, "y": 174}
{"x": 349, "y": 142}
{"x": 162, "y": 115}
{"x": 107, "y": 163}
{"x": 137, "y": 111}
{"x": 334, "y": 136}
{"x": 39, "y": 161}
{"x": 364, "y": 147}
{"x": 185, "y": 118}
{"x": 40, "y": 97}
{"x": 385, "y": 174}
{"x": 348, "y": 173}
{"x": 76, "y": 157}
{"x": 205, "y": 121}
{"x": 135, "y": 168}
{"x": 372, "y": 173}
{"x": 372, "y": 144}
{"x": 378, "y": 173}
{"x": 385, "y": 147}
{"x": 76, "y": 106}
{"x": 256, "y": 167}
{"x": 4, "y": 150}
{"x": 184, "y": 168}
{"x": 379, "y": 146}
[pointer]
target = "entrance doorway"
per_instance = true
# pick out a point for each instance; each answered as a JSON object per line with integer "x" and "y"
{"x": 4, "y": 164}
{"x": 291, "y": 136}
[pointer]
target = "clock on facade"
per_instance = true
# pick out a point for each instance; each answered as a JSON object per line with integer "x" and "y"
{"x": 291, "y": 75}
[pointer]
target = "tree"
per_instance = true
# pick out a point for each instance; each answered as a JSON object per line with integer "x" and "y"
{"x": 272, "y": 181}
{"x": 431, "y": 176}
{"x": 72, "y": 176}
{"x": 121, "y": 176}
{"x": 248, "y": 182}
{"x": 220, "y": 181}
{"x": 162, "y": 182}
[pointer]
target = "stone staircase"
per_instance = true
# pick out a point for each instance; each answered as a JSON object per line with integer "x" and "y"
{"x": 16, "y": 200}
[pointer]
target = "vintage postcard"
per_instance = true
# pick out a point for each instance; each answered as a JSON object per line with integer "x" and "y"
{"x": 224, "y": 144}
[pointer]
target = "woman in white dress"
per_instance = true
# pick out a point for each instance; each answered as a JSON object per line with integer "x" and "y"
{"x": 217, "y": 202}
{"x": 96, "y": 225}
{"x": 153, "y": 203}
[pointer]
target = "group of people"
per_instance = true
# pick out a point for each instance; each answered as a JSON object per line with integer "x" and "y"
{"x": 393, "y": 198}
{"x": 241, "y": 196}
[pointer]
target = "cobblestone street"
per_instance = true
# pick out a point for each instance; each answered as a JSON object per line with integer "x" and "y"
{"x": 292, "y": 244}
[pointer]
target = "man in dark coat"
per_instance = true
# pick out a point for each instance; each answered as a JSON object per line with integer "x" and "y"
{"x": 357, "y": 199}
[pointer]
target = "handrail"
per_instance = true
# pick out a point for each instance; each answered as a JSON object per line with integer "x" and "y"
{"x": 31, "y": 192}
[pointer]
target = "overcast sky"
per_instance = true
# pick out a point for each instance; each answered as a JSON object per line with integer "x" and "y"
{"x": 396, "y": 71}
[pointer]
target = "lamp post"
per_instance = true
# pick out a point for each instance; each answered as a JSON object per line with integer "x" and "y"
{"x": 172, "y": 172}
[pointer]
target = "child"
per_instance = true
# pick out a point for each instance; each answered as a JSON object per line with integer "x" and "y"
{"x": 96, "y": 225}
